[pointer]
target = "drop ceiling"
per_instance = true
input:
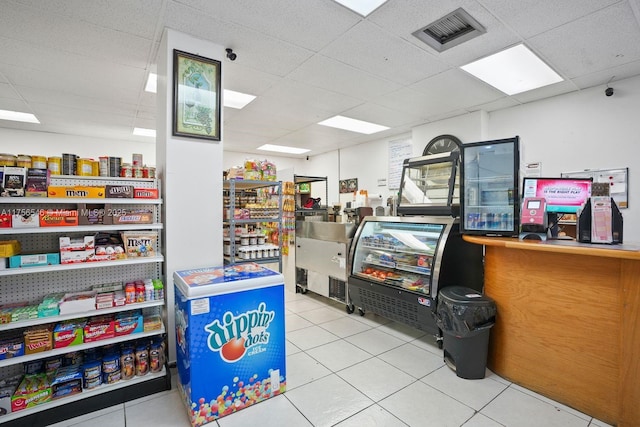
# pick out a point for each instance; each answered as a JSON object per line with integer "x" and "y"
{"x": 81, "y": 65}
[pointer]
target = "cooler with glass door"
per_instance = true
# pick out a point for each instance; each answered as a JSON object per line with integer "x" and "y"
{"x": 489, "y": 188}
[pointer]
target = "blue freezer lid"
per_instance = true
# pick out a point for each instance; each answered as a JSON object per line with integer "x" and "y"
{"x": 222, "y": 280}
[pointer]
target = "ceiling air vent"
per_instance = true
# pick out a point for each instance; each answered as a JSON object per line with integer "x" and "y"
{"x": 450, "y": 30}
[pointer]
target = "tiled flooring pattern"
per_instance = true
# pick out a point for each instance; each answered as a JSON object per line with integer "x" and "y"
{"x": 352, "y": 371}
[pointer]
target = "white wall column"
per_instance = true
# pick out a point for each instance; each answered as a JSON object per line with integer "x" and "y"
{"x": 191, "y": 174}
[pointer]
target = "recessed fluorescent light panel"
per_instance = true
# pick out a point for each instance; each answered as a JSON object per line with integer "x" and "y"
{"x": 353, "y": 125}
{"x": 513, "y": 70}
{"x": 283, "y": 149}
{"x": 17, "y": 116}
{"x": 144, "y": 132}
{"x": 363, "y": 7}
{"x": 152, "y": 83}
{"x": 237, "y": 100}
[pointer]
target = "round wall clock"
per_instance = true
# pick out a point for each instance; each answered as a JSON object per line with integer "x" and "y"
{"x": 442, "y": 144}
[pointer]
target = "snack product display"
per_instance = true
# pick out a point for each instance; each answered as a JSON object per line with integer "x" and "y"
{"x": 140, "y": 243}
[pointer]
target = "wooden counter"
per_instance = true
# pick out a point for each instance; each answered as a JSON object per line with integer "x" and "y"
{"x": 568, "y": 322}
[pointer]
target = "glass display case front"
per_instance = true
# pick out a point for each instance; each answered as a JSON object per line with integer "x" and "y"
{"x": 430, "y": 185}
{"x": 397, "y": 265}
{"x": 490, "y": 178}
{"x": 398, "y": 254}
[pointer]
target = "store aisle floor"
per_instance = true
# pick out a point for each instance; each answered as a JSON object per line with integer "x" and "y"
{"x": 347, "y": 370}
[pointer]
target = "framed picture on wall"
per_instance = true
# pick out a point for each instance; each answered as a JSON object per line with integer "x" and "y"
{"x": 196, "y": 96}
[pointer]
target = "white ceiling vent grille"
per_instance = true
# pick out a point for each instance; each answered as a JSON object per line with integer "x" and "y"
{"x": 450, "y": 30}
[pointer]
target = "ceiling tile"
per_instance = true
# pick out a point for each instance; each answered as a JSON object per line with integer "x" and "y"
{"x": 456, "y": 89}
{"x": 610, "y": 74}
{"x": 137, "y": 17}
{"x": 505, "y": 102}
{"x": 588, "y": 45}
{"x": 293, "y": 92}
{"x": 311, "y": 25}
{"x": 545, "y": 92}
{"x": 254, "y": 49}
{"x": 374, "y": 113}
{"x": 63, "y": 34}
{"x": 7, "y": 91}
{"x": 332, "y": 75}
{"x": 369, "y": 48}
{"x": 529, "y": 18}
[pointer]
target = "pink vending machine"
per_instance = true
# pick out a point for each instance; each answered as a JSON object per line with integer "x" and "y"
{"x": 230, "y": 337}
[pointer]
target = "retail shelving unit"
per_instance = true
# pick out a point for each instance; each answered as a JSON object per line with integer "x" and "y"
{"x": 303, "y": 196}
{"x": 239, "y": 196}
{"x": 33, "y": 283}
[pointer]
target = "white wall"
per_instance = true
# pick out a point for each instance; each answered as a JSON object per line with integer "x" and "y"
{"x": 467, "y": 128}
{"x": 581, "y": 130}
{"x": 16, "y": 141}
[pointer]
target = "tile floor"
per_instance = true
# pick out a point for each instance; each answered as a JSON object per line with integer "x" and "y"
{"x": 346, "y": 370}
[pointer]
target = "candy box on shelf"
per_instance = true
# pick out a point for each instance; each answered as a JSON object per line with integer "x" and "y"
{"x": 108, "y": 247}
{"x": 131, "y": 216}
{"x": 73, "y": 257}
{"x": 33, "y": 390}
{"x": 78, "y": 191}
{"x": 6, "y": 310}
{"x": 7, "y": 388}
{"x": 104, "y": 300}
{"x": 11, "y": 347}
{"x": 58, "y": 217}
{"x": 145, "y": 193}
{"x": 66, "y": 381}
{"x": 129, "y": 322}
{"x": 99, "y": 328}
{"x": 26, "y": 312}
{"x": 38, "y": 339}
{"x": 68, "y": 333}
{"x": 93, "y": 214}
{"x": 76, "y": 243}
{"x": 152, "y": 323}
{"x": 9, "y": 248}
{"x": 37, "y": 182}
{"x": 78, "y": 302}
{"x": 5, "y": 220}
{"x": 140, "y": 243}
{"x": 34, "y": 260}
{"x": 13, "y": 181}
{"x": 119, "y": 299}
{"x": 25, "y": 220}
{"x": 119, "y": 191}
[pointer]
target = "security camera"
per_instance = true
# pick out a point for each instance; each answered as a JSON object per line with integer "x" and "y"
{"x": 232, "y": 56}
{"x": 608, "y": 91}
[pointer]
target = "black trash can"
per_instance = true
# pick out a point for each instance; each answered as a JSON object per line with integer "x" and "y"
{"x": 465, "y": 318}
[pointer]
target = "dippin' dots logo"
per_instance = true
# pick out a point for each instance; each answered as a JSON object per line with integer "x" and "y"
{"x": 235, "y": 334}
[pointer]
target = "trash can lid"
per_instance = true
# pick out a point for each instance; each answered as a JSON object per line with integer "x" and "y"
{"x": 464, "y": 296}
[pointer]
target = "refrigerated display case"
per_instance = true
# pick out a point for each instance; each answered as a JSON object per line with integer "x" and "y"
{"x": 398, "y": 264}
{"x": 322, "y": 249}
{"x": 490, "y": 179}
{"x": 430, "y": 185}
